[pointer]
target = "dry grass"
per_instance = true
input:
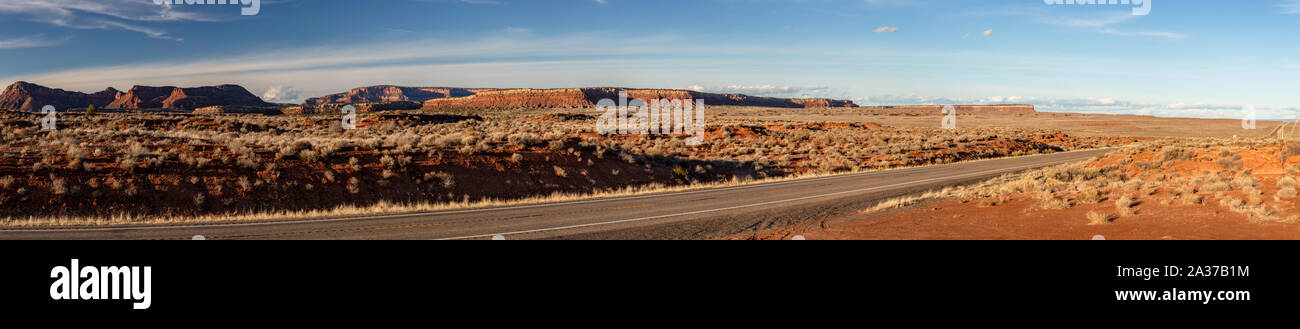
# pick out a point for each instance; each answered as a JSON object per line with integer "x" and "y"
{"x": 1098, "y": 218}
{"x": 246, "y": 163}
{"x": 388, "y": 208}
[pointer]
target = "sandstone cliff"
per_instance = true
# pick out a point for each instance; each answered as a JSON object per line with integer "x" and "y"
{"x": 31, "y": 97}
{"x": 588, "y": 97}
{"x": 379, "y": 94}
{"x": 186, "y": 99}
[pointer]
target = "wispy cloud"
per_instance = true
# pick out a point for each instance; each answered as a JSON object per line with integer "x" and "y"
{"x": 1159, "y": 34}
{"x": 884, "y": 29}
{"x": 765, "y": 90}
{"x": 1105, "y": 22}
{"x": 130, "y": 15}
{"x": 35, "y": 41}
{"x": 1290, "y": 6}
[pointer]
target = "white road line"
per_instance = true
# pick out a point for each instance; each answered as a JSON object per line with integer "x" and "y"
{"x": 745, "y": 206}
{"x": 455, "y": 212}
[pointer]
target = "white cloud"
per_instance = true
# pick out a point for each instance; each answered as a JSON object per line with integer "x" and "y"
{"x": 518, "y": 30}
{"x": 602, "y": 2}
{"x": 884, "y": 29}
{"x": 766, "y": 90}
{"x": 486, "y": 62}
{"x": 1160, "y": 34}
{"x": 35, "y": 41}
{"x": 282, "y": 94}
{"x": 988, "y": 33}
{"x": 1096, "y": 21}
{"x": 1290, "y": 6}
{"x": 895, "y": 3}
{"x": 130, "y": 15}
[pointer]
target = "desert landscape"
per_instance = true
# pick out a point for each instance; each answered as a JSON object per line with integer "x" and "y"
{"x": 168, "y": 155}
{"x": 127, "y": 165}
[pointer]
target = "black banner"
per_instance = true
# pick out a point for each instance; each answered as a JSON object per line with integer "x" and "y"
{"x": 457, "y": 279}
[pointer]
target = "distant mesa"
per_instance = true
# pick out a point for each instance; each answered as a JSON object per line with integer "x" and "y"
{"x": 185, "y": 99}
{"x": 388, "y": 93}
{"x": 32, "y": 97}
{"x": 27, "y": 96}
{"x": 588, "y": 97}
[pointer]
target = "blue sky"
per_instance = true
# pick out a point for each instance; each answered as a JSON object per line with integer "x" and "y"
{"x": 1186, "y": 58}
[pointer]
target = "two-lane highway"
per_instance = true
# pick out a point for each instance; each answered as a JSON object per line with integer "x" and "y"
{"x": 667, "y": 215}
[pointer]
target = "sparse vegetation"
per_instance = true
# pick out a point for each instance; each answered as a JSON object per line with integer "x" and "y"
{"x": 144, "y": 160}
{"x": 1099, "y": 218}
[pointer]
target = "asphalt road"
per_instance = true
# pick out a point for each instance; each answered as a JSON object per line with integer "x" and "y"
{"x": 682, "y": 215}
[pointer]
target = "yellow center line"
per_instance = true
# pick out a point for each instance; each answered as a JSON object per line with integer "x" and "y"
{"x": 632, "y": 207}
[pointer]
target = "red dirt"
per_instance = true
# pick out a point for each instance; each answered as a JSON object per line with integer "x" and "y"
{"x": 954, "y": 220}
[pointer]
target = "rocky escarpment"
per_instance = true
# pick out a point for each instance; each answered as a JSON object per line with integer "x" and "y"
{"x": 386, "y": 93}
{"x": 186, "y": 99}
{"x": 588, "y": 97}
{"x": 31, "y": 97}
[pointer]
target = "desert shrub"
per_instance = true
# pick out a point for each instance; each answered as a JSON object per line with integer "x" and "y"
{"x": 1152, "y": 165}
{"x": 128, "y": 164}
{"x": 309, "y": 156}
{"x": 1244, "y": 182}
{"x": 1097, "y": 218}
{"x": 135, "y": 150}
{"x": 1090, "y": 196}
{"x": 1192, "y": 199}
{"x": 1217, "y": 187}
{"x": 354, "y": 185}
{"x": 1286, "y": 181}
{"x": 1229, "y": 164}
{"x": 1287, "y": 193}
{"x": 1171, "y": 153}
{"x": 448, "y": 181}
{"x": 1125, "y": 206}
{"x": 244, "y": 184}
{"x": 1232, "y": 203}
{"x": 58, "y": 186}
{"x": 560, "y": 171}
{"x": 1055, "y": 203}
